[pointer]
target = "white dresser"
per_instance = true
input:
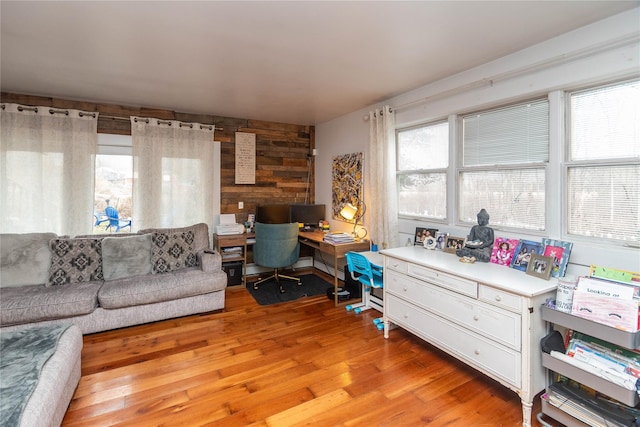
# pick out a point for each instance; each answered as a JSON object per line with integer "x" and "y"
{"x": 487, "y": 315}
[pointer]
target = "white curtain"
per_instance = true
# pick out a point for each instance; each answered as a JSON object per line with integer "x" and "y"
{"x": 47, "y": 169}
{"x": 382, "y": 205}
{"x": 173, "y": 173}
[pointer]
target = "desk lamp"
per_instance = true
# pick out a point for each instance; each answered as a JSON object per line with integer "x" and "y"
{"x": 350, "y": 212}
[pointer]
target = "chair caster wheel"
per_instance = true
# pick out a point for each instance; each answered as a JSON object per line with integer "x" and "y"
{"x": 380, "y": 326}
{"x": 377, "y": 321}
{"x": 349, "y": 307}
{"x": 357, "y": 310}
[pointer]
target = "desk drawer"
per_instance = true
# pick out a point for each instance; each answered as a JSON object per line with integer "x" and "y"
{"x": 489, "y": 357}
{"x": 238, "y": 240}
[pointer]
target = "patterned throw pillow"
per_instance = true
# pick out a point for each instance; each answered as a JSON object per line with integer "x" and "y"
{"x": 75, "y": 260}
{"x": 172, "y": 251}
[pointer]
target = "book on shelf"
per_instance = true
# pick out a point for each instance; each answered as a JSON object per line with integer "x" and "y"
{"x": 588, "y": 408}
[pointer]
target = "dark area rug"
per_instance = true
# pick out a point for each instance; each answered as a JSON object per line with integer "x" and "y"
{"x": 268, "y": 292}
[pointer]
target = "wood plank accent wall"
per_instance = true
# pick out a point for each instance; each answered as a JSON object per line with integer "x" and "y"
{"x": 283, "y": 160}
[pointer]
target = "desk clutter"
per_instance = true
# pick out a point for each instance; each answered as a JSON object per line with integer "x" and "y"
{"x": 337, "y": 238}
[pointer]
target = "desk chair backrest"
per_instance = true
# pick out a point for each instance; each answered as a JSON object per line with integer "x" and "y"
{"x": 368, "y": 275}
{"x": 276, "y": 245}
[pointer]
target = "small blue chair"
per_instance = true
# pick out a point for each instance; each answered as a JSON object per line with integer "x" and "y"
{"x": 370, "y": 276}
{"x": 114, "y": 219}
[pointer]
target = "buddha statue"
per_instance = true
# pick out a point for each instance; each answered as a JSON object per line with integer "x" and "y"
{"x": 480, "y": 240}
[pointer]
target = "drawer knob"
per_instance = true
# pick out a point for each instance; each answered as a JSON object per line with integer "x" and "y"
{"x": 498, "y": 298}
{"x": 477, "y": 352}
{"x": 404, "y": 288}
{"x": 406, "y": 315}
{"x": 476, "y": 317}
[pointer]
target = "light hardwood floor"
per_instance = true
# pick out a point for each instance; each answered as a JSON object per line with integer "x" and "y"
{"x": 298, "y": 363}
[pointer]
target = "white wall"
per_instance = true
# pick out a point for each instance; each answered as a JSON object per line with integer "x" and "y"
{"x": 603, "y": 51}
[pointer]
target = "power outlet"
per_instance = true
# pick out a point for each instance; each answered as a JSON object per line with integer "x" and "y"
{"x": 240, "y": 205}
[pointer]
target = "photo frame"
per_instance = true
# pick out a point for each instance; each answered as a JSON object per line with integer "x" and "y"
{"x": 561, "y": 251}
{"x": 503, "y": 250}
{"x": 540, "y": 266}
{"x": 523, "y": 252}
{"x": 422, "y": 234}
{"x": 452, "y": 243}
{"x": 441, "y": 237}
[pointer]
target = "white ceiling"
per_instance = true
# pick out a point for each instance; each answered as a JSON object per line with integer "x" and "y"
{"x": 293, "y": 62}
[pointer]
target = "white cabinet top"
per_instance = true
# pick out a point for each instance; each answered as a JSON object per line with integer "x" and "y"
{"x": 499, "y": 276}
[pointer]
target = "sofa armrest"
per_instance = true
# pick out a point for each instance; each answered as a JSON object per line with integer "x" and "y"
{"x": 209, "y": 260}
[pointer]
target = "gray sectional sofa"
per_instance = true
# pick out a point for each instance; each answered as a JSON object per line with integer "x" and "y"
{"x": 106, "y": 282}
{"x": 73, "y": 286}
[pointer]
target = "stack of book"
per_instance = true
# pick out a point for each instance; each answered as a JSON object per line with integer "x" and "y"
{"x": 231, "y": 252}
{"x": 337, "y": 238}
{"x": 590, "y": 407}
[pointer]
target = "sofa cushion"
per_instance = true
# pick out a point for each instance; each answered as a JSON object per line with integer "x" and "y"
{"x": 28, "y": 304}
{"x": 75, "y": 260}
{"x": 173, "y": 251}
{"x": 152, "y": 288}
{"x": 126, "y": 256}
{"x": 25, "y": 258}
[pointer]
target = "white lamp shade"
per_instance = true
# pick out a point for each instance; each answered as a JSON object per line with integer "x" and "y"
{"x": 348, "y": 211}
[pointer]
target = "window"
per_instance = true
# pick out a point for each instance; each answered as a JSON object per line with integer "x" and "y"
{"x": 603, "y": 164}
{"x": 423, "y": 159}
{"x": 113, "y": 181}
{"x": 504, "y": 157}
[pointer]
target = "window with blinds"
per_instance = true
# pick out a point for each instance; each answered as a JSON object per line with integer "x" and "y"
{"x": 603, "y": 162}
{"x": 504, "y": 156}
{"x": 423, "y": 159}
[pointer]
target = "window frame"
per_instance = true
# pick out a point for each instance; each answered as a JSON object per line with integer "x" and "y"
{"x": 443, "y": 171}
{"x": 568, "y": 163}
{"x": 461, "y": 168}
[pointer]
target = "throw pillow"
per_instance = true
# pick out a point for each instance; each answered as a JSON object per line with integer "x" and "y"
{"x": 25, "y": 258}
{"x": 172, "y": 251}
{"x": 75, "y": 260}
{"x": 126, "y": 256}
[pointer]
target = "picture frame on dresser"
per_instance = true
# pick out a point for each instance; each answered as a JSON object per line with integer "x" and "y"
{"x": 452, "y": 243}
{"x": 422, "y": 234}
{"x": 540, "y": 266}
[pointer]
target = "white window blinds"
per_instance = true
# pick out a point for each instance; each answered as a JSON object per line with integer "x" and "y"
{"x": 511, "y": 135}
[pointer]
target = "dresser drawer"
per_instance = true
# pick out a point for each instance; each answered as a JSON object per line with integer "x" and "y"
{"x": 458, "y": 284}
{"x": 489, "y": 357}
{"x": 396, "y": 265}
{"x": 500, "y": 298}
{"x": 495, "y": 323}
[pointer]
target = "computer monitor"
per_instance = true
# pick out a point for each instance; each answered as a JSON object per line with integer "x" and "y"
{"x": 309, "y": 215}
{"x": 272, "y": 214}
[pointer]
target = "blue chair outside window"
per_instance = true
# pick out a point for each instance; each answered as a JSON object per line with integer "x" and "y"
{"x": 114, "y": 219}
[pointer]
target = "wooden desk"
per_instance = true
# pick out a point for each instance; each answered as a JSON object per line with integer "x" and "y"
{"x": 315, "y": 239}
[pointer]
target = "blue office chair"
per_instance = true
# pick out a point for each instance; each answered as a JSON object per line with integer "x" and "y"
{"x": 114, "y": 219}
{"x": 370, "y": 277}
{"x": 276, "y": 247}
